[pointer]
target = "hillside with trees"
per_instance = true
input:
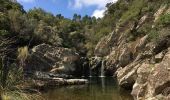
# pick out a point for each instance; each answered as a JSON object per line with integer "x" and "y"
{"x": 129, "y": 37}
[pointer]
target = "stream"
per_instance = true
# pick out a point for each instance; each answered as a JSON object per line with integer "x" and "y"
{"x": 99, "y": 88}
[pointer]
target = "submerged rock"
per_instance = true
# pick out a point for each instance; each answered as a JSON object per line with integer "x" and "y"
{"x": 49, "y": 75}
{"x": 48, "y": 79}
{"x": 58, "y": 82}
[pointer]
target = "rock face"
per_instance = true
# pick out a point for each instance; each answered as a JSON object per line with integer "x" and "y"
{"x": 95, "y": 66}
{"x": 50, "y": 66}
{"x": 153, "y": 81}
{"x": 139, "y": 63}
{"x": 52, "y": 59}
{"x": 159, "y": 79}
{"x": 144, "y": 70}
{"x": 104, "y": 47}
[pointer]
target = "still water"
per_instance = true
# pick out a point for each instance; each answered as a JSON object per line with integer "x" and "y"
{"x": 98, "y": 89}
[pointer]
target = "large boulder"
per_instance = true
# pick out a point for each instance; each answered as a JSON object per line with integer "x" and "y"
{"x": 141, "y": 82}
{"x": 111, "y": 63}
{"x": 125, "y": 57}
{"x": 126, "y": 76}
{"x": 141, "y": 44}
{"x": 47, "y": 58}
{"x": 153, "y": 80}
{"x": 159, "y": 79}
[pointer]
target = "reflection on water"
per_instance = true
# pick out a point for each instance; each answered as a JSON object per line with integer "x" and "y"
{"x": 98, "y": 89}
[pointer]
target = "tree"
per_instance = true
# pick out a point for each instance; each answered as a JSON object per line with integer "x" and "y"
{"x": 76, "y": 18}
{"x": 4, "y": 22}
{"x": 16, "y": 20}
{"x": 47, "y": 34}
{"x": 59, "y": 16}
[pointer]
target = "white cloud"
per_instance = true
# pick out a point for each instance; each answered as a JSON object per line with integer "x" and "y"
{"x": 26, "y": 1}
{"x": 99, "y": 12}
{"x": 82, "y": 3}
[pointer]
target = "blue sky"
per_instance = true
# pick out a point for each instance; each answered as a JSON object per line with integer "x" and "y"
{"x": 68, "y": 7}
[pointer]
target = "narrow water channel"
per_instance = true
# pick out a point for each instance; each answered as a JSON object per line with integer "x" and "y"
{"x": 99, "y": 88}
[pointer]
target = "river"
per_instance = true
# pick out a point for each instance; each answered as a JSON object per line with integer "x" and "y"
{"x": 99, "y": 88}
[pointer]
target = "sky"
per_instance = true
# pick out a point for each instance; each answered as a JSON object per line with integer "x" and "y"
{"x": 69, "y": 7}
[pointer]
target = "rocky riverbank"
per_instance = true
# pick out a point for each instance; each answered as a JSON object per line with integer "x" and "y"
{"x": 140, "y": 65}
{"x": 50, "y": 66}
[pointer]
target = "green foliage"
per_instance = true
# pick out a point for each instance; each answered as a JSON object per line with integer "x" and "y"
{"x": 4, "y": 32}
{"x": 164, "y": 20}
{"x": 7, "y": 5}
{"x": 76, "y": 18}
{"x": 4, "y": 21}
{"x": 40, "y": 14}
{"x": 46, "y": 33}
{"x": 16, "y": 20}
{"x": 153, "y": 35}
{"x": 133, "y": 11}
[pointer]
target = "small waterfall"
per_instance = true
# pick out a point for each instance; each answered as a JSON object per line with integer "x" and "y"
{"x": 97, "y": 65}
{"x": 102, "y": 69}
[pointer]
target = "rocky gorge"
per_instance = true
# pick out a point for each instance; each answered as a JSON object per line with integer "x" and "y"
{"x": 127, "y": 49}
{"x": 139, "y": 65}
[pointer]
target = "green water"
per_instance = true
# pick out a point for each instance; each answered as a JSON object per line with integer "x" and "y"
{"x": 97, "y": 89}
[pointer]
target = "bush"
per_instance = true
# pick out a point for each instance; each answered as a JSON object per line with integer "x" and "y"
{"x": 4, "y": 21}
{"x": 133, "y": 11}
{"x": 23, "y": 54}
{"x": 153, "y": 35}
{"x": 3, "y": 32}
{"x": 164, "y": 20}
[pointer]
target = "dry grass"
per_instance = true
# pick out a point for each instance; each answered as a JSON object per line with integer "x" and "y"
{"x": 23, "y": 54}
{"x": 19, "y": 95}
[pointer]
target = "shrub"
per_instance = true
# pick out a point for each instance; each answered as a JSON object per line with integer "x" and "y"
{"x": 3, "y": 32}
{"x": 164, "y": 20}
{"x": 23, "y": 54}
{"x": 4, "y": 21}
{"x": 133, "y": 11}
{"x": 19, "y": 95}
{"x": 153, "y": 35}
